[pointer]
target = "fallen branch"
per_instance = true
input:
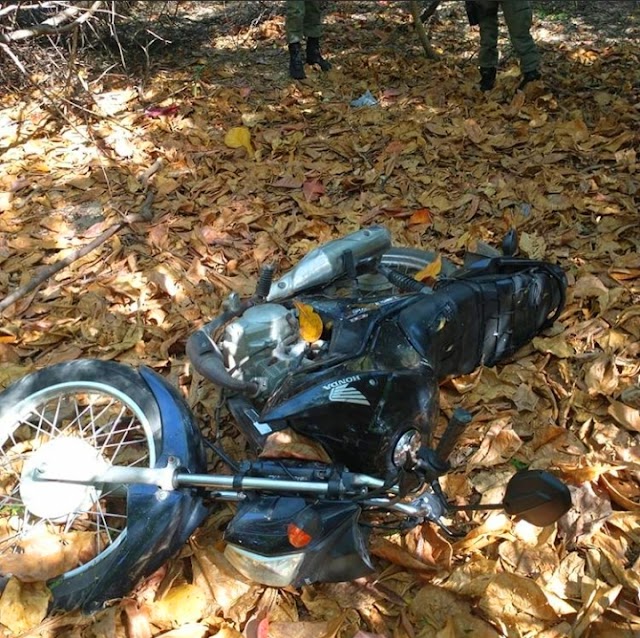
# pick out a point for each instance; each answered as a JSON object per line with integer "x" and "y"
{"x": 45, "y": 273}
{"x": 430, "y": 10}
{"x": 54, "y": 25}
{"x": 422, "y": 34}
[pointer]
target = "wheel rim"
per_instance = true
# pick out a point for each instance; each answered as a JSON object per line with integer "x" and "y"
{"x": 50, "y": 528}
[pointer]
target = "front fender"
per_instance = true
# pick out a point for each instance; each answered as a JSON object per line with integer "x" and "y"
{"x": 159, "y": 521}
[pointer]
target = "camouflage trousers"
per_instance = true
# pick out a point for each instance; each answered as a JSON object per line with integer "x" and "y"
{"x": 303, "y": 20}
{"x": 518, "y": 16}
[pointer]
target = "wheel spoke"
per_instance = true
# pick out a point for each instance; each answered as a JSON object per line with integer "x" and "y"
{"x": 110, "y": 426}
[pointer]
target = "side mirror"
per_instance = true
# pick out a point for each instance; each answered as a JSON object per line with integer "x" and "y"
{"x": 537, "y": 496}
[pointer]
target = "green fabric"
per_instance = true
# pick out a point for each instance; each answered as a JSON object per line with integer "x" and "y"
{"x": 518, "y": 17}
{"x": 303, "y": 19}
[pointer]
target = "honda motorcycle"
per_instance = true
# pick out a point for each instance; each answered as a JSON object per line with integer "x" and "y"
{"x": 331, "y": 372}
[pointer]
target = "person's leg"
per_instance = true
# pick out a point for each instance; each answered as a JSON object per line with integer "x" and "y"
{"x": 518, "y": 17}
{"x": 295, "y": 20}
{"x": 313, "y": 33}
{"x": 488, "y": 55}
{"x": 312, "y": 19}
{"x": 294, "y": 26}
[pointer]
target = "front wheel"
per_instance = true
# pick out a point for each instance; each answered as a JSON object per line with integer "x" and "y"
{"x": 76, "y": 419}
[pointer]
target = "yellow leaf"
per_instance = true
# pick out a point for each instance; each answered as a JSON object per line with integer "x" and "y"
{"x": 239, "y": 136}
{"x": 310, "y": 322}
{"x": 557, "y": 346}
{"x": 430, "y": 271}
{"x": 183, "y": 604}
{"x": 23, "y": 606}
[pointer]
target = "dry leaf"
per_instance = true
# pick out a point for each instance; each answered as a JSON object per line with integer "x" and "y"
{"x": 44, "y": 555}
{"x": 239, "y": 137}
{"x": 625, "y": 415}
{"x": 600, "y": 600}
{"x": 312, "y": 189}
{"x": 137, "y": 619}
{"x": 499, "y": 444}
{"x": 421, "y": 216}
{"x": 310, "y": 322}
{"x": 183, "y": 604}
{"x": 518, "y": 604}
{"x": 394, "y": 553}
{"x": 290, "y": 444}
{"x": 602, "y": 376}
{"x": 430, "y": 271}
{"x": 194, "y": 630}
{"x": 23, "y": 606}
{"x": 436, "y": 606}
{"x": 534, "y": 246}
{"x": 557, "y": 346}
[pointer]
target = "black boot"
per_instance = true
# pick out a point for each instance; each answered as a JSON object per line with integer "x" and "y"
{"x": 529, "y": 76}
{"x": 296, "y": 63}
{"x": 487, "y": 78}
{"x": 314, "y": 56}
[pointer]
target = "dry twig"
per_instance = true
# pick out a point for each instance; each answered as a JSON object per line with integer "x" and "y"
{"x": 45, "y": 273}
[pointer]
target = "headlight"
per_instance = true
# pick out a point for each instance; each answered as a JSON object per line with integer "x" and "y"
{"x": 274, "y": 571}
{"x": 407, "y": 447}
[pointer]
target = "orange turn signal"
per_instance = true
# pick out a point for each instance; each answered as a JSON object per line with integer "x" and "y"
{"x": 297, "y": 536}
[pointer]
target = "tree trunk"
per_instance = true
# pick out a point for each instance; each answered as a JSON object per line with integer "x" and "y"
{"x": 422, "y": 34}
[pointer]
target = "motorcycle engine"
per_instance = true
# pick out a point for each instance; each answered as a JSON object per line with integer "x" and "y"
{"x": 263, "y": 344}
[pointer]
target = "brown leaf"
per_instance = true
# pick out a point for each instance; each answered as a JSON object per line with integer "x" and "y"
{"x": 137, "y": 619}
{"x": 394, "y": 553}
{"x": 421, "y": 216}
{"x": 474, "y": 131}
{"x": 590, "y": 511}
{"x": 602, "y": 376}
{"x": 557, "y": 346}
{"x": 625, "y": 415}
{"x": 623, "y": 490}
{"x": 437, "y": 607}
{"x": 525, "y": 398}
{"x": 518, "y": 604}
{"x": 288, "y": 443}
{"x": 44, "y": 555}
{"x": 312, "y": 189}
{"x": 293, "y": 183}
{"x": 193, "y": 630}
{"x": 600, "y": 600}
{"x": 500, "y": 443}
{"x": 224, "y": 583}
{"x": 425, "y": 543}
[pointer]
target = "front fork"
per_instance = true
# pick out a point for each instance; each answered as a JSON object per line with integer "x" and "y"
{"x": 321, "y": 482}
{"x": 347, "y": 485}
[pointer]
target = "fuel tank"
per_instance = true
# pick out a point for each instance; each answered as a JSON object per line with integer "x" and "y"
{"x": 358, "y": 415}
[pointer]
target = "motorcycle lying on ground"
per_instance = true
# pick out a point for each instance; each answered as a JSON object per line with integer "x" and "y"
{"x": 103, "y": 473}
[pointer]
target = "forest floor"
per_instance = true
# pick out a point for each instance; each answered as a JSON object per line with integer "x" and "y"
{"x": 239, "y": 165}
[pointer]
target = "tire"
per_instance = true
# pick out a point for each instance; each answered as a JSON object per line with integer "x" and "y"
{"x": 79, "y": 417}
{"x": 408, "y": 261}
{"x": 412, "y": 260}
